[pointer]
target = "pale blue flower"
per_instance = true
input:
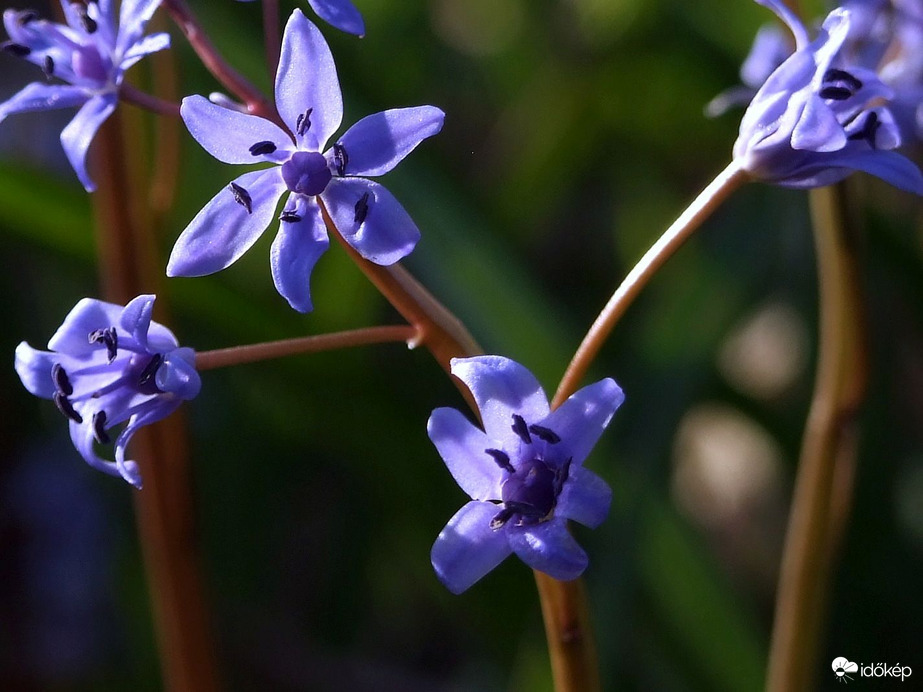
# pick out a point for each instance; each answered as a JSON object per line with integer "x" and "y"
{"x": 109, "y": 365}
{"x": 819, "y": 116}
{"x": 524, "y": 472}
{"x": 305, "y": 171}
{"x": 90, "y": 54}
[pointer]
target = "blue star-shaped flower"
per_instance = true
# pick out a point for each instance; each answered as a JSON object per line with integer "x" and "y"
{"x": 339, "y": 13}
{"x": 817, "y": 118}
{"x": 310, "y": 104}
{"x": 90, "y": 53}
{"x": 524, "y": 472}
{"x": 108, "y": 365}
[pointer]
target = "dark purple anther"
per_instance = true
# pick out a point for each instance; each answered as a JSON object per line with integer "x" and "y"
{"x": 17, "y": 49}
{"x": 26, "y": 16}
{"x": 109, "y": 337}
{"x": 835, "y": 75}
{"x": 561, "y": 476}
{"x": 340, "y": 158}
{"x": 64, "y": 406}
{"x": 502, "y": 459}
{"x": 61, "y": 381}
{"x": 48, "y": 67}
{"x": 835, "y": 93}
{"x": 869, "y": 129}
{"x": 261, "y": 148}
{"x": 362, "y": 209}
{"x": 289, "y": 217}
{"x": 99, "y": 428}
{"x": 89, "y": 24}
{"x": 242, "y": 197}
{"x": 546, "y": 434}
{"x": 521, "y": 429}
{"x": 303, "y": 124}
{"x": 147, "y": 375}
{"x": 503, "y": 516}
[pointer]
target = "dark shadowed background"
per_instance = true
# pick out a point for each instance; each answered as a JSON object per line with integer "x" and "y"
{"x": 574, "y": 134}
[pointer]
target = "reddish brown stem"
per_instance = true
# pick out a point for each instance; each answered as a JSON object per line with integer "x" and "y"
{"x": 823, "y": 486}
{"x": 272, "y": 36}
{"x": 235, "y": 82}
{"x": 238, "y": 355}
{"x": 136, "y": 97}
{"x": 440, "y": 331}
{"x": 164, "y": 508}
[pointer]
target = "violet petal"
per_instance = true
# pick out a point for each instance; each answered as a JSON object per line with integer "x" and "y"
{"x": 467, "y": 548}
{"x": 581, "y": 419}
{"x": 228, "y": 135}
{"x": 79, "y": 132}
{"x": 502, "y": 387}
{"x": 307, "y": 78}
{"x": 297, "y": 247}
{"x": 224, "y": 230}
{"x": 378, "y": 142}
{"x": 370, "y": 219}
{"x": 461, "y": 445}
{"x": 548, "y": 547}
{"x": 585, "y": 497}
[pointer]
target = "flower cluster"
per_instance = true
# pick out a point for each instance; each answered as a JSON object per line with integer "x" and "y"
{"x": 108, "y": 365}
{"x": 524, "y": 472}
{"x": 317, "y": 182}
{"x": 90, "y": 54}
{"x": 822, "y": 114}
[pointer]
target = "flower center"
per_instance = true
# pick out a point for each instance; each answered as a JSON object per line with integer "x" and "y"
{"x": 306, "y": 173}
{"x": 89, "y": 64}
{"x": 531, "y": 492}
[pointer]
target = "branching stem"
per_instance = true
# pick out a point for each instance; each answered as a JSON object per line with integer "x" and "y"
{"x": 239, "y": 355}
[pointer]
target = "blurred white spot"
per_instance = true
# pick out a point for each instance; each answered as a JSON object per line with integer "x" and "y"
{"x": 724, "y": 463}
{"x": 765, "y": 355}
{"x": 478, "y": 27}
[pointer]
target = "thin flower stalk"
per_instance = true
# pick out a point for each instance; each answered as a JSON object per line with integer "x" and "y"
{"x": 823, "y": 487}
{"x": 695, "y": 214}
{"x": 136, "y": 97}
{"x": 239, "y": 355}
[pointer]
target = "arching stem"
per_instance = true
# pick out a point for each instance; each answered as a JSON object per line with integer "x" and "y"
{"x": 679, "y": 231}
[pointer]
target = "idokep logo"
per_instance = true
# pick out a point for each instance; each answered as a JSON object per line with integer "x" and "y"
{"x": 842, "y": 668}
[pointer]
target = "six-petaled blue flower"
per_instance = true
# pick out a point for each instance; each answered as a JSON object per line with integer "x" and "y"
{"x": 91, "y": 53}
{"x": 309, "y": 102}
{"x": 110, "y": 364}
{"x": 524, "y": 472}
{"x": 339, "y": 13}
{"x": 819, "y": 117}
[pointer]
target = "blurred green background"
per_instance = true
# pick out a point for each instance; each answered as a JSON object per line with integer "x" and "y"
{"x": 574, "y": 134}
